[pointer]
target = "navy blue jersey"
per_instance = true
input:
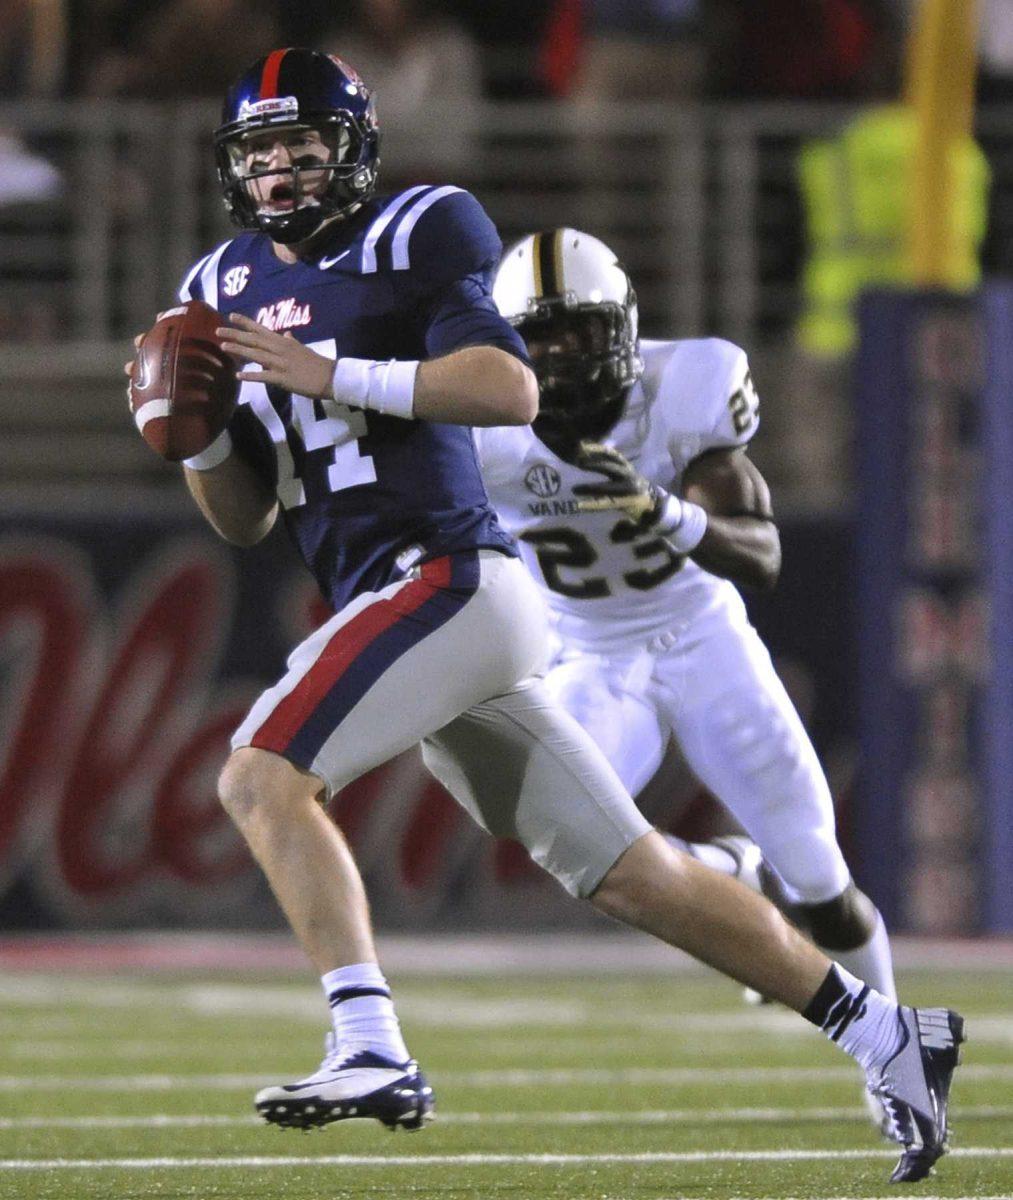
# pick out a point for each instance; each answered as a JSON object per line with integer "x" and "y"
{"x": 367, "y": 496}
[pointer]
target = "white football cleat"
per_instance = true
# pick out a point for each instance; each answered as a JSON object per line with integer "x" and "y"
{"x": 914, "y": 1087}
{"x": 359, "y": 1085}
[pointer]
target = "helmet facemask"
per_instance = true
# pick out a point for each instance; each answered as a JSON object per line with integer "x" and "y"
{"x": 585, "y": 358}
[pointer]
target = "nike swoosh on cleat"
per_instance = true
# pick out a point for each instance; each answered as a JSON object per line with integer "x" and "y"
{"x": 350, "y": 1082}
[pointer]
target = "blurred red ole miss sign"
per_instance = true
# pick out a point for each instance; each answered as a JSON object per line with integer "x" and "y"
{"x": 132, "y": 642}
{"x": 112, "y": 731}
{"x": 123, "y": 675}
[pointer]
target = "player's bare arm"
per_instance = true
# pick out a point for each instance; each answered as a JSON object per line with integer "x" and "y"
{"x": 723, "y": 521}
{"x": 235, "y": 501}
{"x": 741, "y": 542}
{"x": 478, "y": 385}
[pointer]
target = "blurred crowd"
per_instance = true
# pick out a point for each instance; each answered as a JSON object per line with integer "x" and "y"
{"x": 451, "y": 54}
{"x": 500, "y": 48}
{"x": 456, "y": 52}
{"x": 506, "y": 49}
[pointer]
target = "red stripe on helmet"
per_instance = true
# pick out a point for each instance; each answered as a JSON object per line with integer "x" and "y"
{"x": 269, "y": 76}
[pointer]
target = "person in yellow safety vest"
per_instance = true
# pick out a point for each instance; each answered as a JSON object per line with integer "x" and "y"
{"x": 856, "y": 193}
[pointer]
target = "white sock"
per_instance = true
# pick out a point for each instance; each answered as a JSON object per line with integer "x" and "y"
{"x": 363, "y": 1012}
{"x": 872, "y": 962}
{"x": 855, "y": 1016}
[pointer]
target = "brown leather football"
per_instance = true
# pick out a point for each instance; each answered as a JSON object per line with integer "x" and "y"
{"x": 183, "y": 386}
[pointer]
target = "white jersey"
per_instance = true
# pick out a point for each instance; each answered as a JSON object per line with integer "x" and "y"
{"x": 694, "y": 395}
{"x": 654, "y": 647}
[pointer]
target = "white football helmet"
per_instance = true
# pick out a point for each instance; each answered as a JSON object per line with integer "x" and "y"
{"x": 572, "y": 302}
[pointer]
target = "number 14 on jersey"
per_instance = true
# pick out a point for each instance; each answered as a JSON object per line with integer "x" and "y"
{"x": 339, "y": 429}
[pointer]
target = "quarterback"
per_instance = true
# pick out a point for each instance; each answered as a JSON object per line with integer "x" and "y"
{"x": 370, "y": 346}
{"x": 637, "y": 510}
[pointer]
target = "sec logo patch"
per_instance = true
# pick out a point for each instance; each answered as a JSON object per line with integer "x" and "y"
{"x": 543, "y": 480}
{"x": 235, "y": 280}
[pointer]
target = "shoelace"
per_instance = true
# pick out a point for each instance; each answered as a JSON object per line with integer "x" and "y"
{"x": 336, "y": 1058}
{"x": 333, "y": 1059}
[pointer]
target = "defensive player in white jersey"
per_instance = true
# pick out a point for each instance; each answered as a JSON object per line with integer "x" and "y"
{"x": 638, "y": 544}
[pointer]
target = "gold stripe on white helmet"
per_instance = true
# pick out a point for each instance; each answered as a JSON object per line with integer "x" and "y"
{"x": 560, "y": 265}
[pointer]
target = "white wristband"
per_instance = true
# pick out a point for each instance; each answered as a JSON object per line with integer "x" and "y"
{"x": 385, "y": 387}
{"x": 683, "y": 524}
{"x": 213, "y": 455}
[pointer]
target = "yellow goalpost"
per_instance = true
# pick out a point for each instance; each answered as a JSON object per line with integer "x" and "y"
{"x": 941, "y": 66}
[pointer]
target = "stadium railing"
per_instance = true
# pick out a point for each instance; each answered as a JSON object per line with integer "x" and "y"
{"x": 700, "y": 202}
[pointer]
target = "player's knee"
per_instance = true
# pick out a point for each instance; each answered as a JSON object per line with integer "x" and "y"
{"x": 844, "y": 923}
{"x": 238, "y": 788}
{"x": 255, "y": 782}
{"x": 638, "y": 881}
{"x": 588, "y": 703}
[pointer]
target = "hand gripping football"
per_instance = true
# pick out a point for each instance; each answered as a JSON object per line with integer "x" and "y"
{"x": 183, "y": 386}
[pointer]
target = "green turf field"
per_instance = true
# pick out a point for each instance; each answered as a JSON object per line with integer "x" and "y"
{"x": 577, "y": 1087}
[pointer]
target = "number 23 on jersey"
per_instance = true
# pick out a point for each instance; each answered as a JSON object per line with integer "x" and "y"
{"x": 566, "y": 558}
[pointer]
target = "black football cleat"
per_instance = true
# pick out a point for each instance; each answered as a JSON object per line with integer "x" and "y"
{"x": 362, "y": 1085}
{"x": 914, "y": 1087}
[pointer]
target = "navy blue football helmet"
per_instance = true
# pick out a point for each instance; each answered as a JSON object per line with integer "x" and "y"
{"x": 290, "y": 90}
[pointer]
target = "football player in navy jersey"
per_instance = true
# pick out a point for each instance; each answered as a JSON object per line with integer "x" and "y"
{"x": 370, "y": 345}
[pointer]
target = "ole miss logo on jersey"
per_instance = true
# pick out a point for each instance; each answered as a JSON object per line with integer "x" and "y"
{"x": 285, "y": 314}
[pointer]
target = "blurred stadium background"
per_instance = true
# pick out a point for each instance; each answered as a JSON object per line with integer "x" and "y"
{"x": 753, "y": 167}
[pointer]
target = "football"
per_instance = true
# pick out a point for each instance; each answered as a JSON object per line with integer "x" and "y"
{"x": 183, "y": 386}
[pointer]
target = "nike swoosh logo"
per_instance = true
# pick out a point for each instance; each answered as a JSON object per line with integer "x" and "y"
{"x": 329, "y": 262}
{"x": 349, "y": 1083}
{"x": 142, "y": 376}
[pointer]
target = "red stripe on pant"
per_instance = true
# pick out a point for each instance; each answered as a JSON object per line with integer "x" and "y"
{"x": 341, "y": 651}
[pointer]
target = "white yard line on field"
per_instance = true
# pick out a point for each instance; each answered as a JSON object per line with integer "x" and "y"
{"x": 507, "y": 1077}
{"x": 461, "y": 1013}
{"x": 465, "y": 1013}
{"x": 650, "y": 1116}
{"x": 73, "y": 1049}
{"x": 472, "y": 1160}
{"x": 485, "y": 1025}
